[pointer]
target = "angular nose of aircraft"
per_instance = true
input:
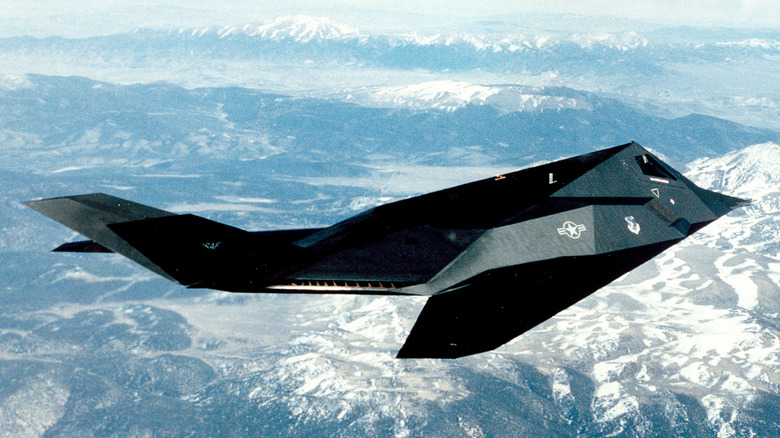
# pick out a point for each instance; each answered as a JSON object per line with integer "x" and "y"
{"x": 722, "y": 204}
{"x": 739, "y": 202}
{"x": 718, "y": 203}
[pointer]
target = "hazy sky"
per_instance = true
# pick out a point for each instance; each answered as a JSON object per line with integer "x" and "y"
{"x": 84, "y": 18}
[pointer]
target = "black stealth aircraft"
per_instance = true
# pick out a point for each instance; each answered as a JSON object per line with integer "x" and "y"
{"x": 496, "y": 257}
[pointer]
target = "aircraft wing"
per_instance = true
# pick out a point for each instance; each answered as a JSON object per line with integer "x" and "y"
{"x": 497, "y": 307}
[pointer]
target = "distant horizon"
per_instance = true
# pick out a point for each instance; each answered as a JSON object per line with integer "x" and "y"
{"x": 39, "y": 18}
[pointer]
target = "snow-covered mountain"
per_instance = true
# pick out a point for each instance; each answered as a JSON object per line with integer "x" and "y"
{"x": 324, "y": 40}
{"x": 452, "y": 123}
{"x": 306, "y": 29}
{"x": 301, "y": 55}
{"x": 452, "y": 95}
{"x": 298, "y": 28}
{"x": 751, "y": 173}
{"x": 490, "y": 48}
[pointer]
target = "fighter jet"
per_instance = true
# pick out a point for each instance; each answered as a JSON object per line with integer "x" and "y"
{"x": 496, "y": 257}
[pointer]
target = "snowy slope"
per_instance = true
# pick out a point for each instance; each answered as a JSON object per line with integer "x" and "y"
{"x": 752, "y": 173}
{"x": 298, "y": 28}
{"x": 450, "y": 95}
{"x": 306, "y": 29}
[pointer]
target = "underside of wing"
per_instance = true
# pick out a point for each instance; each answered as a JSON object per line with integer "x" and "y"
{"x": 82, "y": 246}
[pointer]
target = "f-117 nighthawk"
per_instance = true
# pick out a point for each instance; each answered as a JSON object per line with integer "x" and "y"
{"x": 496, "y": 257}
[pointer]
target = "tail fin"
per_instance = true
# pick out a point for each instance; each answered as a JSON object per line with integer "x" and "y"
{"x": 191, "y": 250}
{"x": 198, "y": 252}
{"x": 90, "y": 215}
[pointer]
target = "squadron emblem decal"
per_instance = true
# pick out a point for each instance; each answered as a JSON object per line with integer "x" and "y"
{"x": 571, "y": 229}
{"x": 633, "y": 226}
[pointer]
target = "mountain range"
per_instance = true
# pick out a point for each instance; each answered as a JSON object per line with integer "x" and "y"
{"x": 668, "y": 72}
{"x": 443, "y": 122}
{"x": 322, "y": 40}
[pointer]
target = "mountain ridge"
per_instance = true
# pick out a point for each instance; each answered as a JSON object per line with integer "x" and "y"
{"x": 245, "y": 124}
